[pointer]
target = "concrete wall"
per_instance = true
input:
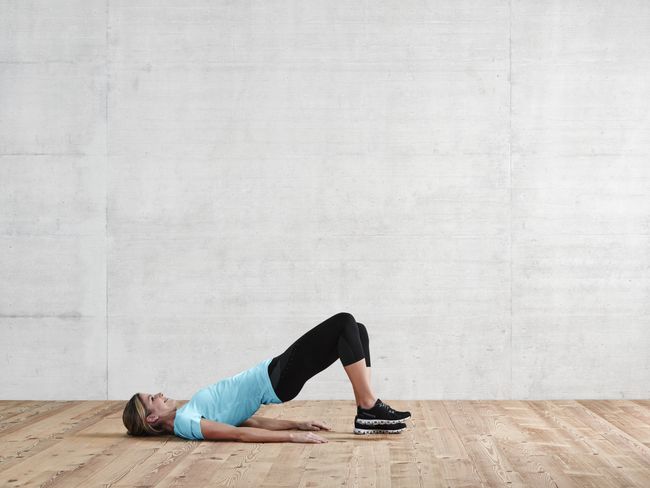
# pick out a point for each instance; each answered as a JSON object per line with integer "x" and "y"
{"x": 187, "y": 187}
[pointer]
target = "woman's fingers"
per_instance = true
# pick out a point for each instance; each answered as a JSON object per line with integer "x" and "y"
{"x": 316, "y": 437}
{"x": 307, "y": 437}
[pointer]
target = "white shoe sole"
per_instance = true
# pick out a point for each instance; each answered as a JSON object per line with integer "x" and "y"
{"x": 357, "y": 430}
{"x": 380, "y": 421}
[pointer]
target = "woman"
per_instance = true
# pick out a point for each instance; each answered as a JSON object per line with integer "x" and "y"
{"x": 223, "y": 410}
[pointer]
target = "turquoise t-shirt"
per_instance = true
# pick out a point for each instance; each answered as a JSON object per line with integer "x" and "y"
{"x": 230, "y": 401}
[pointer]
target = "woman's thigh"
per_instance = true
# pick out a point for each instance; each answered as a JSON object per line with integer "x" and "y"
{"x": 310, "y": 354}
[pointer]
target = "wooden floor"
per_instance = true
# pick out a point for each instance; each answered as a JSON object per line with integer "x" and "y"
{"x": 448, "y": 443}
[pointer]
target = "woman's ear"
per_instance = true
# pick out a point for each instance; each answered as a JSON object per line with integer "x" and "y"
{"x": 152, "y": 419}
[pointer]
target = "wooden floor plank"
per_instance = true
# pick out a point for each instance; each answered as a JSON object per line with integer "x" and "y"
{"x": 532, "y": 458}
{"x": 428, "y": 467}
{"x": 458, "y": 469}
{"x": 475, "y": 433}
{"x": 579, "y": 460}
{"x": 581, "y": 443}
{"x": 47, "y": 430}
{"x": 21, "y": 417}
{"x": 621, "y": 414}
{"x": 10, "y": 407}
{"x": 637, "y": 411}
{"x": 613, "y": 432}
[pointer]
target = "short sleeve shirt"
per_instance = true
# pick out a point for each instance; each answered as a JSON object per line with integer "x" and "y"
{"x": 230, "y": 401}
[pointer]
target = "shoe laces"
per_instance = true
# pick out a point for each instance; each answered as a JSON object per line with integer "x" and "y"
{"x": 388, "y": 408}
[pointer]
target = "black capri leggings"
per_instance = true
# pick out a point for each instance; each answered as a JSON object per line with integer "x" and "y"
{"x": 340, "y": 336}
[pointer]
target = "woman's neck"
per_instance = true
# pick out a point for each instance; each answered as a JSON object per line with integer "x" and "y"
{"x": 168, "y": 422}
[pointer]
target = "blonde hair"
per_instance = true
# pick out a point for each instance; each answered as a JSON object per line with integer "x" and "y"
{"x": 134, "y": 418}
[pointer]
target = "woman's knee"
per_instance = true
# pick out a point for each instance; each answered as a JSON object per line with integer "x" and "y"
{"x": 345, "y": 317}
{"x": 365, "y": 342}
{"x": 363, "y": 332}
{"x": 348, "y": 319}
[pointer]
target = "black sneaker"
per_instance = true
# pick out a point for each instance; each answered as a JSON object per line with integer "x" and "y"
{"x": 380, "y": 413}
{"x": 395, "y": 428}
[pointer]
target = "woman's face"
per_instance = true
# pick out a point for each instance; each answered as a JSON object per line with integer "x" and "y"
{"x": 157, "y": 404}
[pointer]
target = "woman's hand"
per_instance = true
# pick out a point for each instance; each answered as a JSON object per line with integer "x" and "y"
{"x": 312, "y": 425}
{"x": 308, "y": 437}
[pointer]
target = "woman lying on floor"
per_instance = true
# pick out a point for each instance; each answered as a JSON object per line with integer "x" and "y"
{"x": 223, "y": 410}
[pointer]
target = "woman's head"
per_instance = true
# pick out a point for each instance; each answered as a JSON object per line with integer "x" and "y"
{"x": 144, "y": 411}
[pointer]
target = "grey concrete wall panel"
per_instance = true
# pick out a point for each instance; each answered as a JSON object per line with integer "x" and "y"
{"x": 189, "y": 187}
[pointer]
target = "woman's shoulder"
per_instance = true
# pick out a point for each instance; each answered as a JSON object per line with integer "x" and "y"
{"x": 187, "y": 424}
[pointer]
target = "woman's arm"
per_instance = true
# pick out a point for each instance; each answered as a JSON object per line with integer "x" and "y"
{"x": 278, "y": 424}
{"x": 255, "y": 434}
{"x": 270, "y": 424}
{"x": 217, "y": 431}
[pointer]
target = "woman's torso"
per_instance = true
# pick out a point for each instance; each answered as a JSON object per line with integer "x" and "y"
{"x": 231, "y": 400}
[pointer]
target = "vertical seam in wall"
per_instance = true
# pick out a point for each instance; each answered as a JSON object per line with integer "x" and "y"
{"x": 510, "y": 169}
{"x": 106, "y": 179}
